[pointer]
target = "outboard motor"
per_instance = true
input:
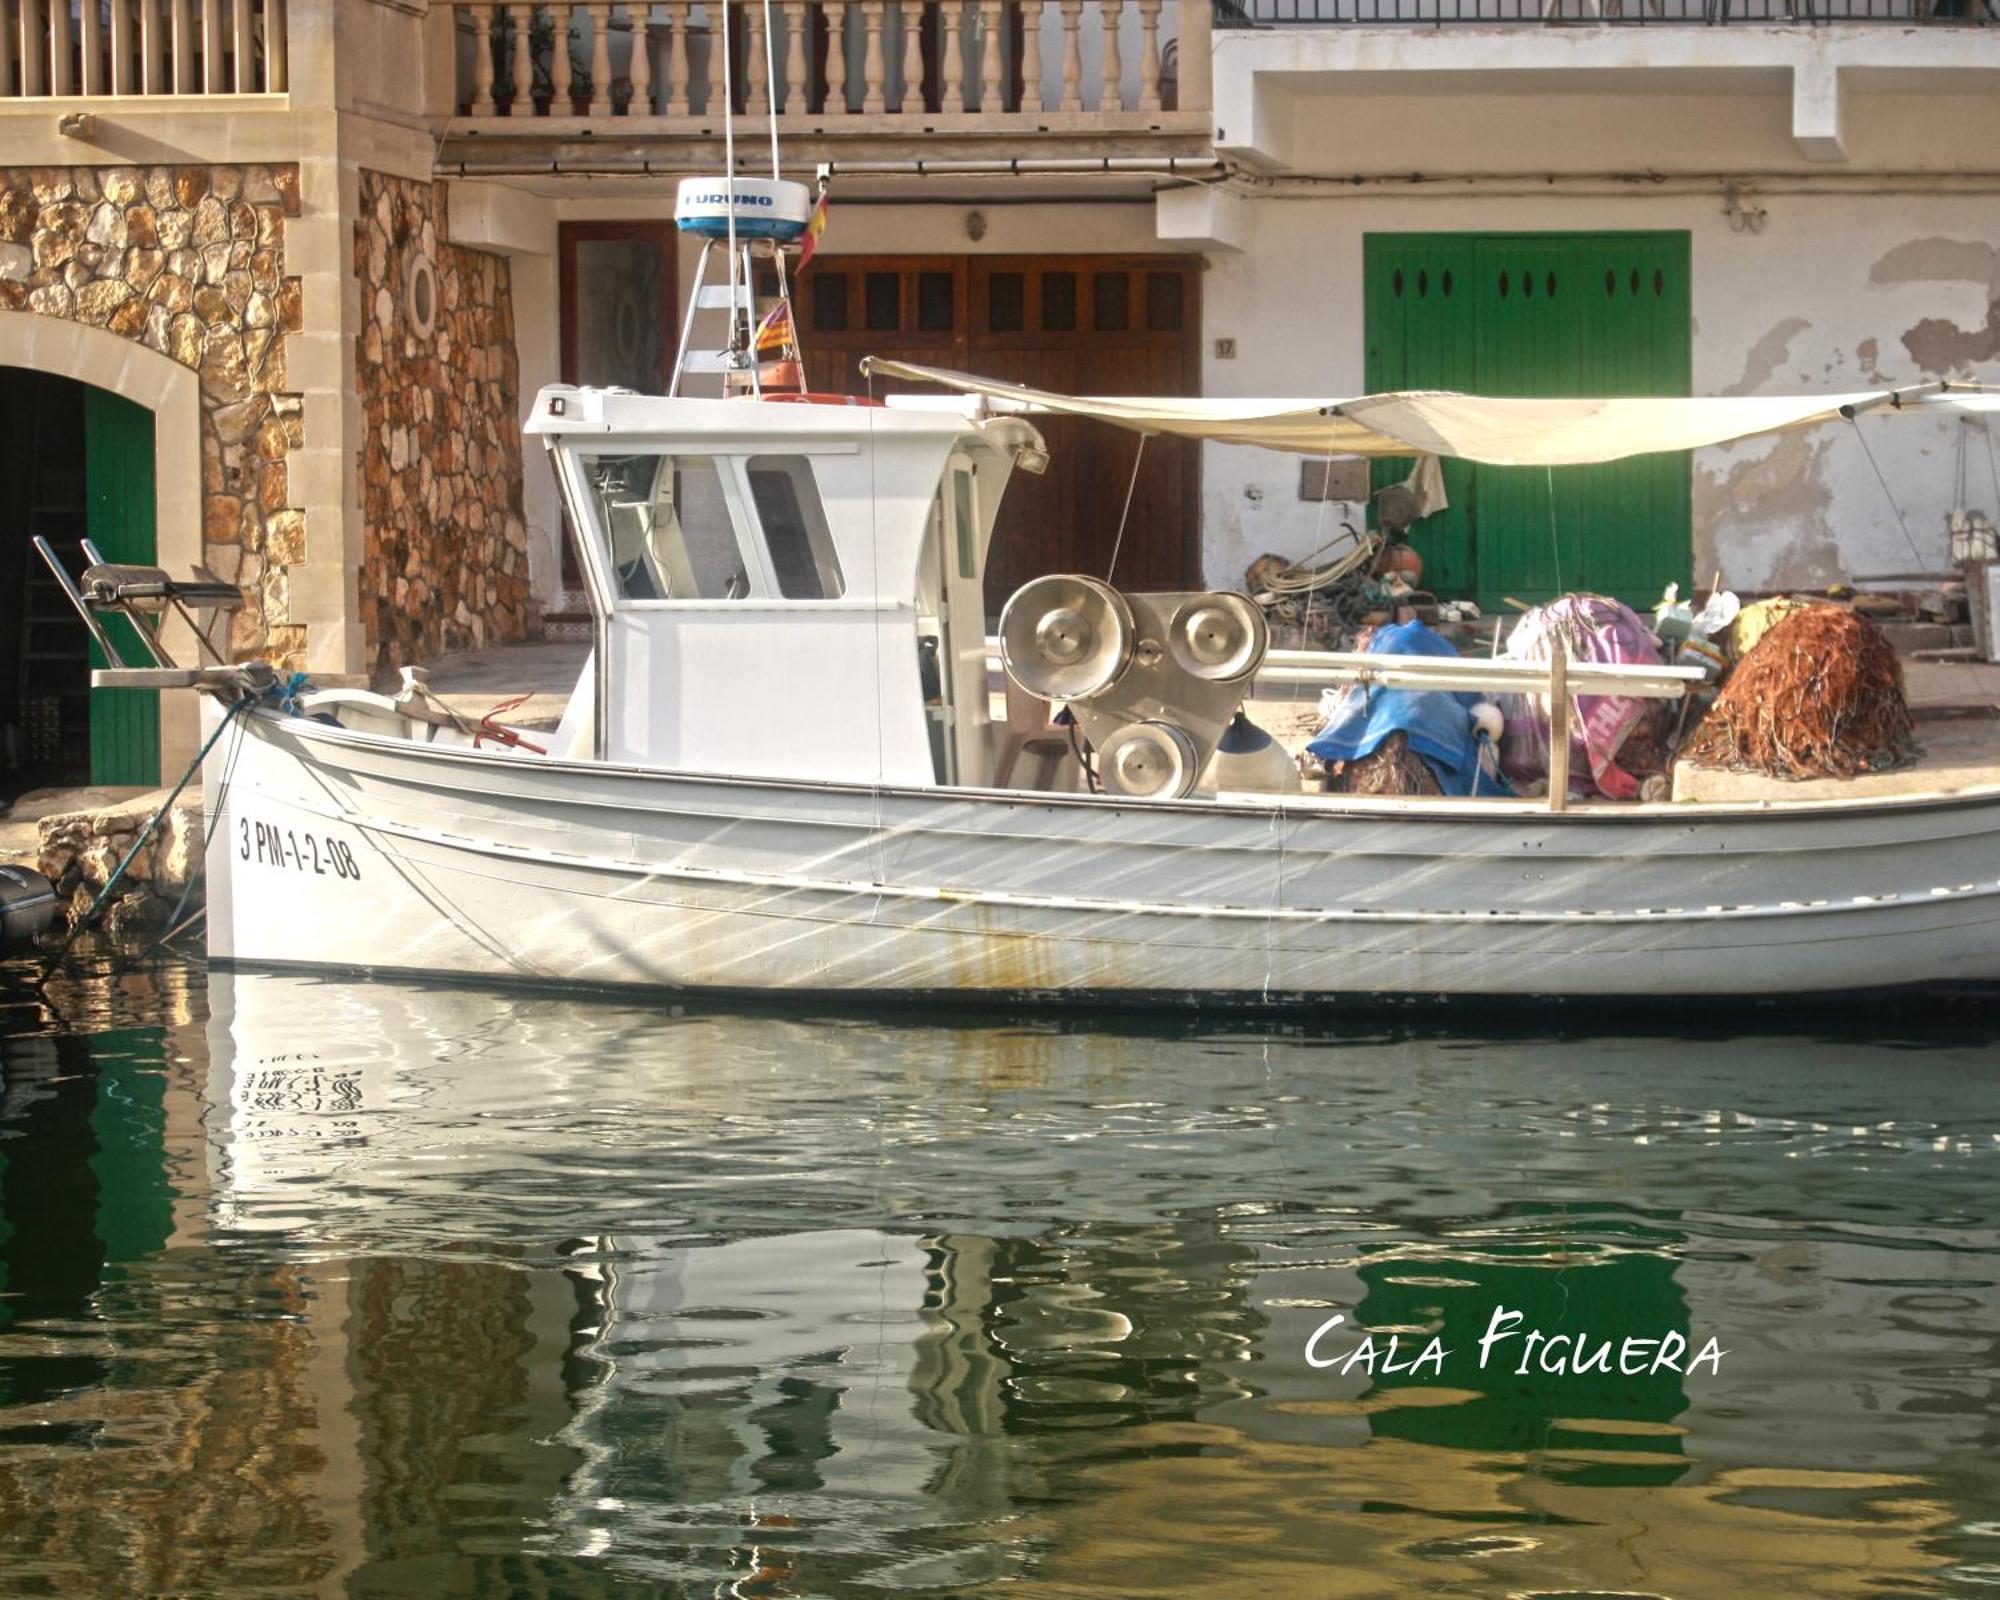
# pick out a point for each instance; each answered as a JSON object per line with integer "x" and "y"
{"x": 28, "y": 904}
{"x": 1153, "y": 679}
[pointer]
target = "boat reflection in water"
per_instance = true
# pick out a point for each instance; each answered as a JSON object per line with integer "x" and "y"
{"x": 389, "y": 1291}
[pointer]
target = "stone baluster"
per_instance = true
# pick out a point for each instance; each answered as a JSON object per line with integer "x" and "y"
{"x": 1149, "y": 55}
{"x": 836, "y": 58}
{"x": 152, "y": 47}
{"x": 180, "y": 47}
{"x": 124, "y": 49}
{"x": 951, "y": 89}
{"x": 1072, "y": 65}
{"x": 521, "y": 59}
{"x": 277, "y": 63}
{"x": 798, "y": 86}
{"x": 1031, "y": 55}
{"x": 991, "y": 13}
{"x": 758, "y": 100}
{"x": 245, "y": 44}
{"x": 718, "y": 47}
{"x": 93, "y": 48}
{"x": 482, "y": 61}
{"x": 562, "y": 65}
{"x": 1113, "y": 98}
{"x": 639, "y": 17}
{"x": 912, "y": 14}
{"x": 59, "y": 51}
{"x": 873, "y": 68}
{"x": 213, "y": 55}
{"x": 28, "y": 25}
{"x": 600, "y": 60}
{"x": 674, "y": 44}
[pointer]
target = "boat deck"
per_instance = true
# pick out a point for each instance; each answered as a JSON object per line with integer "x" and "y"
{"x": 1957, "y": 706}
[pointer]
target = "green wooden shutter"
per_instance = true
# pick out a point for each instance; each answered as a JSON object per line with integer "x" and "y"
{"x": 118, "y": 484}
{"x": 1420, "y": 330}
{"x": 1547, "y": 315}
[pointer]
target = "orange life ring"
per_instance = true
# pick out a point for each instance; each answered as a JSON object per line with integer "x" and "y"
{"x": 825, "y": 399}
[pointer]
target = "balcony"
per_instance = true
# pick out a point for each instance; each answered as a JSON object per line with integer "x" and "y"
{"x": 71, "y": 49}
{"x": 641, "y": 88}
{"x": 1622, "y": 90}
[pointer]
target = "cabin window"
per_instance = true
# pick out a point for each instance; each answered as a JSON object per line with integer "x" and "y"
{"x": 961, "y": 518}
{"x": 667, "y": 526}
{"x": 788, "y": 506}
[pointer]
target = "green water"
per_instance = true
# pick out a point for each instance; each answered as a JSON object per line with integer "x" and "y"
{"x": 338, "y": 1289}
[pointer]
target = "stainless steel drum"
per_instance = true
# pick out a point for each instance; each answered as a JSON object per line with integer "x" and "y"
{"x": 1066, "y": 637}
{"x": 1218, "y": 637}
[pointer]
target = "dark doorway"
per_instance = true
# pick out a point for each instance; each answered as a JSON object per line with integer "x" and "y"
{"x": 76, "y": 462}
{"x": 44, "y": 650}
{"x": 618, "y": 313}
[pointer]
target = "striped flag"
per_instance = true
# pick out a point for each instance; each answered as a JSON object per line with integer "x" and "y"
{"x": 775, "y": 331}
{"x": 815, "y": 226}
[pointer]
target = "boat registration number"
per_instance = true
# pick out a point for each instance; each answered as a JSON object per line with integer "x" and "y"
{"x": 302, "y": 852}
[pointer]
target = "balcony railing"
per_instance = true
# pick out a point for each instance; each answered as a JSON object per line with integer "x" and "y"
{"x": 1632, "y": 13}
{"x": 958, "y": 63}
{"x": 57, "y": 48}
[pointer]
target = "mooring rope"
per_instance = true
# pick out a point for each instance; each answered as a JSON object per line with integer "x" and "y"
{"x": 146, "y": 833}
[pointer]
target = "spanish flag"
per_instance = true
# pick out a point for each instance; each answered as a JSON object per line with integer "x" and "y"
{"x": 815, "y": 226}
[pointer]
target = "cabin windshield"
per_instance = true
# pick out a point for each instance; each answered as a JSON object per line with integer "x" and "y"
{"x": 711, "y": 527}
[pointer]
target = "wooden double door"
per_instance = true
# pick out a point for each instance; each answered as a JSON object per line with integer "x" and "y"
{"x": 1097, "y": 325}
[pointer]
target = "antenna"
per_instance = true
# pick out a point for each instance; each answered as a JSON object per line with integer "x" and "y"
{"x": 771, "y": 78}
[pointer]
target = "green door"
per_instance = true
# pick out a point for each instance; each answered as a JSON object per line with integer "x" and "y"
{"x": 1546, "y": 314}
{"x": 118, "y": 487}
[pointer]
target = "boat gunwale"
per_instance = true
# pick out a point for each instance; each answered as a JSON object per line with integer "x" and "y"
{"x": 1417, "y": 808}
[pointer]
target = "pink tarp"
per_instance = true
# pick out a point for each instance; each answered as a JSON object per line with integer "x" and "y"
{"x": 1593, "y": 628}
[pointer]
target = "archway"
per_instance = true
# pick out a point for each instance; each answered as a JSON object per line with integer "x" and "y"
{"x": 99, "y": 437}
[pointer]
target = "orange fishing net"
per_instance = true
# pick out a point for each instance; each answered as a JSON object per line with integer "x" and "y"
{"x": 1819, "y": 696}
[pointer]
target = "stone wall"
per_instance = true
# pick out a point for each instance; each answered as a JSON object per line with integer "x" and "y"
{"x": 445, "y": 563}
{"x": 188, "y": 261}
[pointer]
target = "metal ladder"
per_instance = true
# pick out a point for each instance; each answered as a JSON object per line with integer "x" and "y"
{"x": 738, "y": 361}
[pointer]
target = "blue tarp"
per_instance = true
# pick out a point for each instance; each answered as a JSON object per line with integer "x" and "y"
{"x": 1435, "y": 721}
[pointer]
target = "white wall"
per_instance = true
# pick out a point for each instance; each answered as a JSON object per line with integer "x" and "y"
{"x": 1837, "y": 292}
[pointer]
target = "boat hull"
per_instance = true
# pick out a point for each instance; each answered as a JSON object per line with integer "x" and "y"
{"x": 343, "y": 850}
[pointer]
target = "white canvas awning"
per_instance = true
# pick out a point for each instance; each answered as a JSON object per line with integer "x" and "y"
{"x": 1502, "y": 432}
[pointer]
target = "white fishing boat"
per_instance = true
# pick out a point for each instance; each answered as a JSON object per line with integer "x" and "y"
{"x": 777, "y": 775}
{"x": 781, "y": 771}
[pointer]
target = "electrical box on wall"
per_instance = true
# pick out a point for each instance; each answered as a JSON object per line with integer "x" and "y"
{"x": 1341, "y": 478}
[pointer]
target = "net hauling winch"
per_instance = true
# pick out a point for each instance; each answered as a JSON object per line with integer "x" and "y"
{"x": 1152, "y": 679}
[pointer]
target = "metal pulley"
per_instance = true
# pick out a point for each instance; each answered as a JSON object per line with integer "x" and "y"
{"x": 1148, "y": 761}
{"x": 1065, "y": 637}
{"x": 1218, "y": 637}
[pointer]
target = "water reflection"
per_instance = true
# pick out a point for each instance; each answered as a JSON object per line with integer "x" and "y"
{"x": 325, "y": 1288}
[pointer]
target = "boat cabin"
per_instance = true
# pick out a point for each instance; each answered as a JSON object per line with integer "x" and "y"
{"x": 784, "y": 588}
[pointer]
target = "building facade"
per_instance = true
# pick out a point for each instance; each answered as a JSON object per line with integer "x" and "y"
{"x": 277, "y": 280}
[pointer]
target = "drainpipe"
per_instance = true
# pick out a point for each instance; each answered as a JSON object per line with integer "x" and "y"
{"x": 613, "y": 165}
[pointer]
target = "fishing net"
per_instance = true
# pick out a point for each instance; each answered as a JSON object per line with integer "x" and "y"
{"x": 1392, "y": 767}
{"x": 1819, "y": 696}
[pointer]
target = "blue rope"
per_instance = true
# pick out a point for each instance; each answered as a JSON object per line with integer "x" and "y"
{"x": 286, "y": 694}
